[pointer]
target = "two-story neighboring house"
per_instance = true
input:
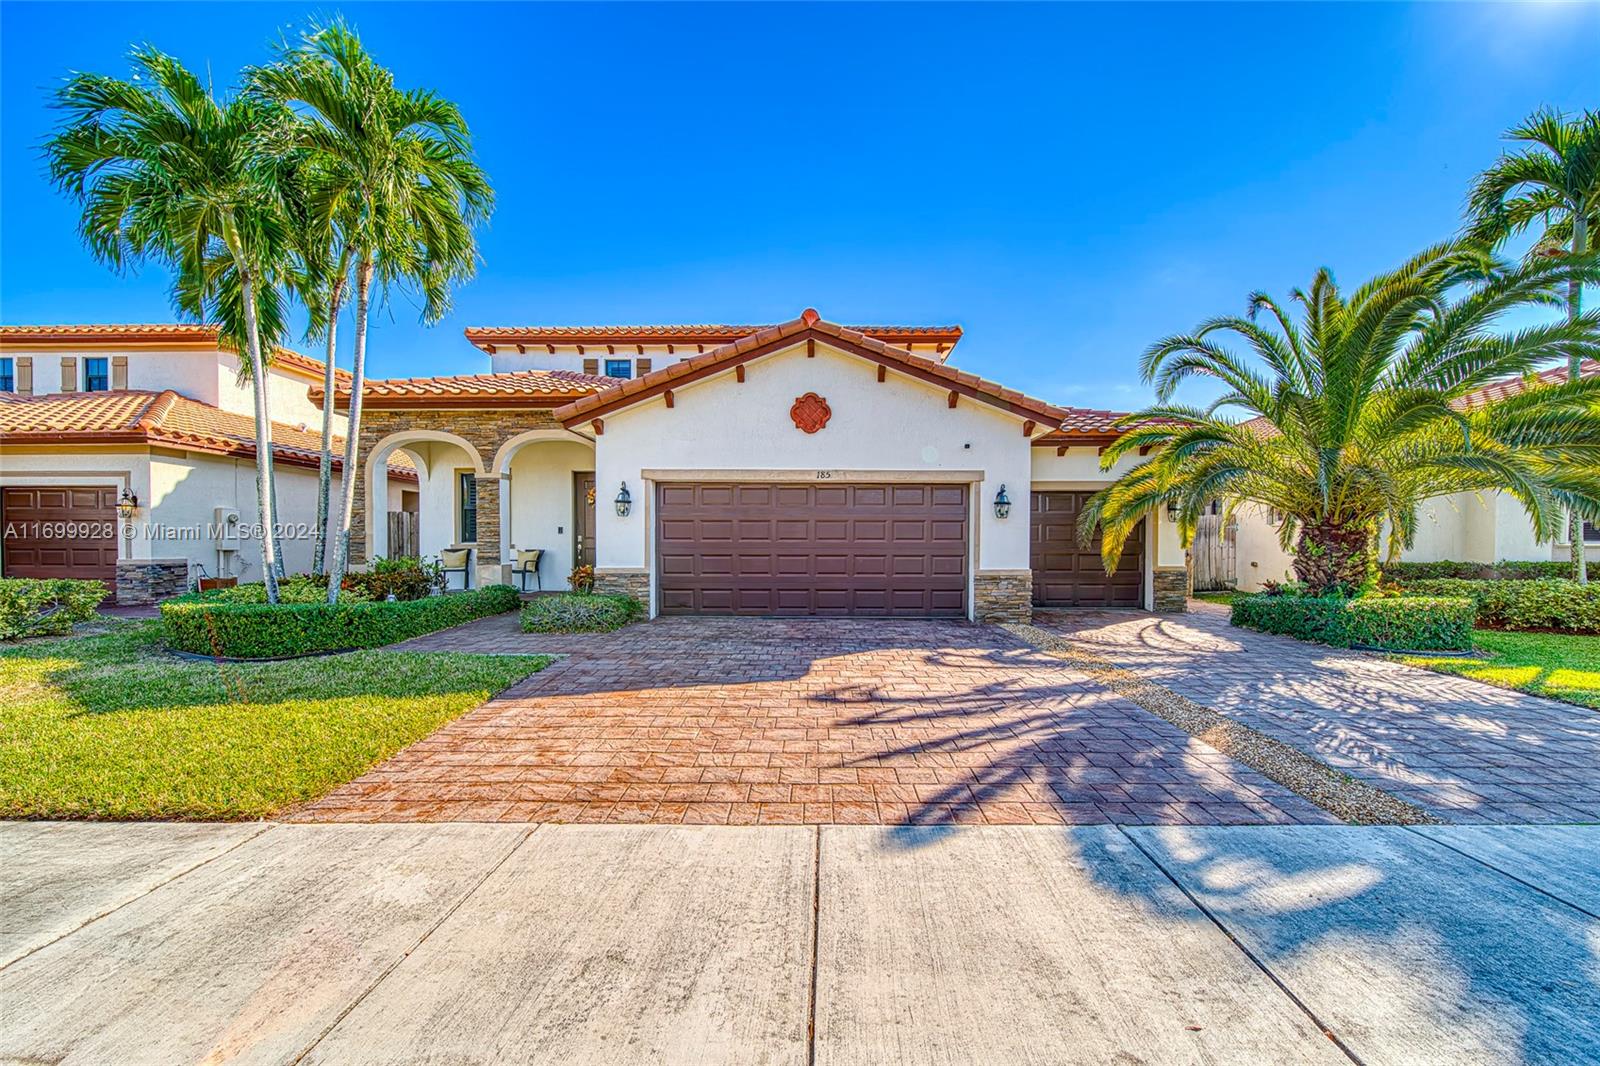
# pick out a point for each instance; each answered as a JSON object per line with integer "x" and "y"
{"x": 127, "y": 453}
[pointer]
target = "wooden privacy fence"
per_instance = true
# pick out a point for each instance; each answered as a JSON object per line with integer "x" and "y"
{"x": 1215, "y": 554}
{"x": 403, "y": 538}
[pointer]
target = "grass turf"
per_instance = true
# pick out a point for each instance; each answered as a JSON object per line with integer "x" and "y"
{"x": 110, "y": 726}
{"x": 1225, "y": 598}
{"x": 1548, "y": 664}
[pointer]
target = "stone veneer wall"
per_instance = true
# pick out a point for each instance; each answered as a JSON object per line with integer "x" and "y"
{"x": 486, "y": 429}
{"x": 1003, "y": 595}
{"x": 619, "y": 582}
{"x": 144, "y": 581}
{"x": 1172, "y": 589}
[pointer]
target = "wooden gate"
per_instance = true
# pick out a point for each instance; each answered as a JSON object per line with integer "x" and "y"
{"x": 403, "y": 538}
{"x": 1215, "y": 553}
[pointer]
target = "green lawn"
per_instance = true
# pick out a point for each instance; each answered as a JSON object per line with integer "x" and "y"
{"x": 110, "y": 726}
{"x": 1566, "y": 667}
{"x": 1224, "y": 598}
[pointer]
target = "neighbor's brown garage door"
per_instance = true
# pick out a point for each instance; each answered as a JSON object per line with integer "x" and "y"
{"x": 1066, "y": 574}
{"x": 69, "y": 531}
{"x": 802, "y": 549}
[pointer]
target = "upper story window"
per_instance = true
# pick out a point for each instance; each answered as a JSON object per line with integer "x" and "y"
{"x": 619, "y": 368}
{"x": 8, "y": 375}
{"x": 96, "y": 374}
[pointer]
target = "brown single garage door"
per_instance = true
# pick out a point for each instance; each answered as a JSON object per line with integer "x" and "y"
{"x": 804, "y": 549}
{"x": 67, "y": 531}
{"x": 1065, "y": 573}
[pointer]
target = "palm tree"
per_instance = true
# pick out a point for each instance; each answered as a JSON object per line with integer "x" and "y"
{"x": 1554, "y": 185}
{"x": 395, "y": 179}
{"x": 1359, "y": 412}
{"x": 165, "y": 171}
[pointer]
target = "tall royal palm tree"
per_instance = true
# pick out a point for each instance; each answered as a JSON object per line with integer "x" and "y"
{"x": 1357, "y": 412}
{"x": 165, "y": 171}
{"x": 395, "y": 178}
{"x": 1553, "y": 185}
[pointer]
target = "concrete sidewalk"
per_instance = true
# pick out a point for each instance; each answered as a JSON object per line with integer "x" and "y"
{"x": 469, "y": 943}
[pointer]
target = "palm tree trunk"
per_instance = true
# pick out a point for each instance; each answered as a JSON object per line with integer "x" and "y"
{"x": 1333, "y": 557}
{"x": 319, "y": 545}
{"x": 1580, "y": 245}
{"x": 264, "y": 494}
{"x": 352, "y": 439}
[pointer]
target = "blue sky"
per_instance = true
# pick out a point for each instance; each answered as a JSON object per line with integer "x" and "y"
{"x": 1066, "y": 182}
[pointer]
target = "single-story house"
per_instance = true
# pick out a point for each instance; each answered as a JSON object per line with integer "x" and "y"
{"x": 1481, "y": 527}
{"x": 806, "y": 468}
{"x": 127, "y": 453}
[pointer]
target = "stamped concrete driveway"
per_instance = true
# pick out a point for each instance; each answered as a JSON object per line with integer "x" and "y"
{"x": 733, "y": 720}
{"x": 835, "y": 945}
{"x": 1462, "y": 750}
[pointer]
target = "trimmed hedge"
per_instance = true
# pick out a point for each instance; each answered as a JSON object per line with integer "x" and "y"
{"x": 1562, "y": 606}
{"x": 583, "y": 612}
{"x": 1391, "y": 623}
{"x": 46, "y": 607}
{"x": 1504, "y": 570}
{"x": 264, "y": 631}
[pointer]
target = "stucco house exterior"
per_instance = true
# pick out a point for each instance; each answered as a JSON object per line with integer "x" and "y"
{"x": 153, "y": 417}
{"x": 805, "y": 468}
{"x": 1481, "y": 527}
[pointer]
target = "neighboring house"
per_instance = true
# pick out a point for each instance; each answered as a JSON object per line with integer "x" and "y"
{"x": 805, "y": 468}
{"x": 1482, "y": 527}
{"x": 153, "y": 417}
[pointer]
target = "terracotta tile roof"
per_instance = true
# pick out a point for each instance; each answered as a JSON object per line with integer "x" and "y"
{"x": 159, "y": 418}
{"x": 546, "y": 388}
{"x": 708, "y": 333}
{"x": 772, "y": 338}
{"x": 1507, "y": 387}
{"x": 147, "y": 333}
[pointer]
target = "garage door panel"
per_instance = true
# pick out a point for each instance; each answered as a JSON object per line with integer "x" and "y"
{"x": 1068, "y": 574}
{"x": 813, "y": 549}
{"x": 33, "y": 520}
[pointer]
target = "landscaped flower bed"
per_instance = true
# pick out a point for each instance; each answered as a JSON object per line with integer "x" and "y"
{"x": 583, "y": 612}
{"x": 202, "y": 624}
{"x": 1392, "y": 623}
{"x": 45, "y": 607}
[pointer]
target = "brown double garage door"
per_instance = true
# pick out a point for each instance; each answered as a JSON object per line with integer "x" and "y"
{"x": 888, "y": 549}
{"x": 67, "y": 531}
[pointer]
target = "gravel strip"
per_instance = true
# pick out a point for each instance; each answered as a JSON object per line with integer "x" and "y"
{"x": 1334, "y": 791}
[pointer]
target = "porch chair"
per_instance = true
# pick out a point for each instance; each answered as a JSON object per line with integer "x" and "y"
{"x": 528, "y": 563}
{"x": 453, "y": 561}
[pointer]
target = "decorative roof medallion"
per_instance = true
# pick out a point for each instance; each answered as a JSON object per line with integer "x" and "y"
{"x": 810, "y": 412}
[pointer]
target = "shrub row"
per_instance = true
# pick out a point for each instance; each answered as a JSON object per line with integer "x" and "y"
{"x": 1563, "y": 606}
{"x": 204, "y": 626}
{"x": 1504, "y": 570}
{"x": 1394, "y": 623}
{"x": 579, "y": 613}
{"x": 46, "y": 607}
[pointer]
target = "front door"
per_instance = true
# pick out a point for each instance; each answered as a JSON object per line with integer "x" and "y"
{"x": 583, "y": 520}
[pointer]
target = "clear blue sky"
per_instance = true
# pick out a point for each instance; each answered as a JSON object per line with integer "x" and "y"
{"x": 1066, "y": 182}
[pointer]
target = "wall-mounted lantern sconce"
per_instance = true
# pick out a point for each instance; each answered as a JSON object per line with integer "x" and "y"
{"x": 127, "y": 503}
{"x": 1172, "y": 511}
{"x": 1002, "y": 503}
{"x": 624, "y": 502}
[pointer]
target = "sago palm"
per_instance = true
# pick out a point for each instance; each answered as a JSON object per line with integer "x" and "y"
{"x": 1552, "y": 186}
{"x": 396, "y": 182}
{"x": 165, "y": 171}
{"x": 1356, "y": 412}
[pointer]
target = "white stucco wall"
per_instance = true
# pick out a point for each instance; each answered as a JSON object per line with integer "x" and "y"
{"x": 537, "y": 357}
{"x": 1258, "y": 554}
{"x": 542, "y": 504}
{"x": 439, "y": 464}
{"x": 899, "y": 425}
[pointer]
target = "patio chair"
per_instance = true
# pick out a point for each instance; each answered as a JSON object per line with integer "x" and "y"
{"x": 453, "y": 561}
{"x": 528, "y": 563}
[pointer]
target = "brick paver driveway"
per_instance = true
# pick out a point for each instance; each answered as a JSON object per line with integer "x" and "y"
{"x": 753, "y": 720}
{"x": 1462, "y": 750}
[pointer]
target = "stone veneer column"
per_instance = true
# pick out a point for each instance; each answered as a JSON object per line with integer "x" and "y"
{"x": 624, "y": 582}
{"x": 1172, "y": 589}
{"x": 1003, "y": 595}
{"x": 490, "y": 567}
{"x": 358, "y": 519}
{"x": 145, "y": 581}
